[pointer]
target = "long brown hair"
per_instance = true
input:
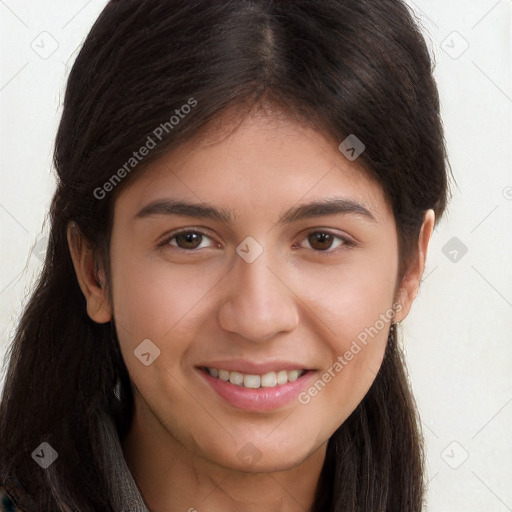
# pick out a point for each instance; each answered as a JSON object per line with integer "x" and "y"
{"x": 342, "y": 66}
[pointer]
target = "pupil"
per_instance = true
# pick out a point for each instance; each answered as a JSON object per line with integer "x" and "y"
{"x": 322, "y": 238}
{"x": 190, "y": 239}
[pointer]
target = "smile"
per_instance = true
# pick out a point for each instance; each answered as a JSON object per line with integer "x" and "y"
{"x": 255, "y": 381}
{"x": 257, "y": 392}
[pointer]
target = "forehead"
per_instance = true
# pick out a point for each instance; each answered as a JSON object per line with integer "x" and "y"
{"x": 266, "y": 162}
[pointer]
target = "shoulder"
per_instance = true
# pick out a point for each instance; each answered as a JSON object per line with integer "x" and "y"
{"x": 7, "y": 503}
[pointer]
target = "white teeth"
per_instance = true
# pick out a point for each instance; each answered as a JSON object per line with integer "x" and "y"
{"x": 252, "y": 381}
{"x": 269, "y": 380}
{"x": 282, "y": 377}
{"x": 293, "y": 375}
{"x": 236, "y": 378}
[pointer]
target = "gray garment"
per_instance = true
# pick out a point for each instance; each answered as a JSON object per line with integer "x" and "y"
{"x": 126, "y": 496}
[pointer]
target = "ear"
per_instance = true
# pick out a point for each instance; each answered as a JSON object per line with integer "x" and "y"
{"x": 410, "y": 283}
{"x": 91, "y": 278}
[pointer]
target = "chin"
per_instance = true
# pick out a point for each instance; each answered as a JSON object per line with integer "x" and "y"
{"x": 270, "y": 464}
{"x": 269, "y": 459}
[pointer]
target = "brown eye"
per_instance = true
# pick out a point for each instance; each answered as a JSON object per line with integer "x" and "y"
{"x": 188, "y": 240}
{"x": 320, "y": 241}
{"x": 326, "y": 242}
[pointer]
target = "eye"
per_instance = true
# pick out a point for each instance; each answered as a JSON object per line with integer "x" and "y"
{"x": 319, "y": 241}
{"x": 322, "y": 241}
{"x": 186, "y": 239}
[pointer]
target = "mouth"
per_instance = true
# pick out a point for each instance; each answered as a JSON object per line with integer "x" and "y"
{"x": 256, "y": 391}
{"x": 253, "y": 380}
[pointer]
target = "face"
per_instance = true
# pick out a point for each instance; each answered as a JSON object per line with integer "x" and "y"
{"x": 290, "y": 303}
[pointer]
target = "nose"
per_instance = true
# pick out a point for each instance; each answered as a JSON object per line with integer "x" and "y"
{"x": 258, "y": 303}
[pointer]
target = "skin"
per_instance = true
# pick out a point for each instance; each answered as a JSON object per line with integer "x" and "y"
{"x": 292, "y": 303}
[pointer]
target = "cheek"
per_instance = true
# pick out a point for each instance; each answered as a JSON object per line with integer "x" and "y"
{"x": 351, "y": 296}
{"x": 354, "y": 304}
{"x": 153, "y": 301}
{"x": 152, "y": 297}
{"x": 359, "y": 319}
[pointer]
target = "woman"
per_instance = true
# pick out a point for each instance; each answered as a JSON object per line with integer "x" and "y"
{"x": 246, "y": 193}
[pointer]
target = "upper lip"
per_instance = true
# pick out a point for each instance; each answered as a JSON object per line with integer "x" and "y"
{"x": 253, "y": 367}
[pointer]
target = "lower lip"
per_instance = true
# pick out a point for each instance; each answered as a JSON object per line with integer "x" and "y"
{"x": 261, "y": 399}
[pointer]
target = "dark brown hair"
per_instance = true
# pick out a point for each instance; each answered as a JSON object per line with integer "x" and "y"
{"x": 341, "y": 66}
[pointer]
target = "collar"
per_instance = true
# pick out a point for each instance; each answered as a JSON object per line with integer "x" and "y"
{"x": 126, "y": 496}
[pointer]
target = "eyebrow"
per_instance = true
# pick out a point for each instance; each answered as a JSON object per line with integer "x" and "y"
{"x": 318, "y": 208}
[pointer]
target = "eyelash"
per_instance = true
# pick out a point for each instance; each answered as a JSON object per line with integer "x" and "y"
{"x": 347, "y": 243}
